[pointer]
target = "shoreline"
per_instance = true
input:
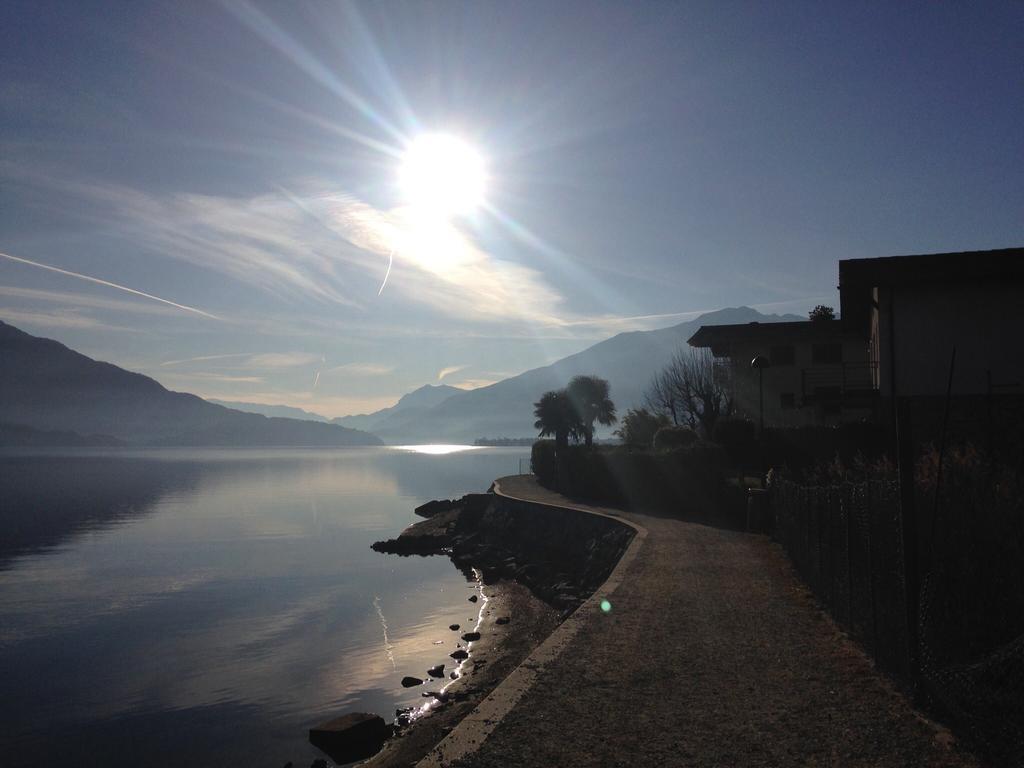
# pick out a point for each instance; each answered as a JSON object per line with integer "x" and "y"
{"x": 525, "y": 588}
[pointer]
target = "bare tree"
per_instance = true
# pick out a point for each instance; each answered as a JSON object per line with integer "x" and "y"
{"x": 660, "y": 398}
{"x": 692, "y": 390}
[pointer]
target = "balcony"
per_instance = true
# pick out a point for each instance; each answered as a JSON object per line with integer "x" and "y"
{"x": 841, "y": 381}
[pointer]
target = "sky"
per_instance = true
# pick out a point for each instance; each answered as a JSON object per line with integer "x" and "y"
{"x": 210, "y": 193}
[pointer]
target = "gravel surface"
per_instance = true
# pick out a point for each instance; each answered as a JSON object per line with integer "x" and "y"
{"x": 713, "y": 653}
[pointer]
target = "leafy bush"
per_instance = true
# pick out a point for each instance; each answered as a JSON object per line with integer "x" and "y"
{"x": 669, "y": 438}
{"x": 739, "y": 439}
{"x": 639, "y": 427}
{"x": 685, "y": 482}
{"x": 544, "y": 463}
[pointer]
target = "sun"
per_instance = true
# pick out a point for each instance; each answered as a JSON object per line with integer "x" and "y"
{"x": 442, "y": 176}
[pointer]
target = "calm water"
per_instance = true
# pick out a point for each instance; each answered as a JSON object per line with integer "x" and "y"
{"x": 184, "y": 607}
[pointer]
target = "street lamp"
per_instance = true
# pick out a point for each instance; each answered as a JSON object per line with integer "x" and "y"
{"x": 760, "y": 363}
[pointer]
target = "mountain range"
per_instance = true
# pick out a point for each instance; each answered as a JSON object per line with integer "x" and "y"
{"x": 505, "y": 409}
{"x": 48, "y": 391}
{"x": 47, "y": 388}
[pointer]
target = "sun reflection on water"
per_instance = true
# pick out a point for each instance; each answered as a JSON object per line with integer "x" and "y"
{"x": 436, "y": 449}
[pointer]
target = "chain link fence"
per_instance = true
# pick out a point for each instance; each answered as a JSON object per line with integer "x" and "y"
{"x": 845, "y": 541}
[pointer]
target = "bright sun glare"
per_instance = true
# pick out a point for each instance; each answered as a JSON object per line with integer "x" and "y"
{"x": 442, "y": 175}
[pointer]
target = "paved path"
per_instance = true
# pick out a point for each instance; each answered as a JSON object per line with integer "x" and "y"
{"x": 713, "y": 654}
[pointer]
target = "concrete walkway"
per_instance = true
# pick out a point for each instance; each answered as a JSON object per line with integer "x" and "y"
{"x": 712, "y": 654}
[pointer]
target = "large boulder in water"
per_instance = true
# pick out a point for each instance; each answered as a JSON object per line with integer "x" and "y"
{"x": 432, "y": 508}
{"x": 351, "y": 737}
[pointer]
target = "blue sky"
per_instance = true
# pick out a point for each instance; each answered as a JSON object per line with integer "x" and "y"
{"x": 645, "y": 161}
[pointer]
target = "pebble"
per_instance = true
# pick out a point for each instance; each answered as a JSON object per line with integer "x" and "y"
{"x": 411, "y": 682}
{"x": 459, "y": 654}
{"x": 473, "y": 598}
{"x": 437, "y": 671}
{"x": 471, "y": 637}
{"x": 453, "y": 627}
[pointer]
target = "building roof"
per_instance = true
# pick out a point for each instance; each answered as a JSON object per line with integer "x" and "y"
{"x": 933, "y": 268}
{"x": 720, "y": 337}
{"x": 857, "y": 277}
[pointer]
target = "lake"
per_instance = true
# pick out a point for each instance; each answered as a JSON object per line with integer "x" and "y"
{"x": 206, "y": 607}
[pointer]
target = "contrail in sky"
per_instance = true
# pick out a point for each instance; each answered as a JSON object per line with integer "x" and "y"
{"x": 391, "y": 259}
{"x": 109, "y": 284}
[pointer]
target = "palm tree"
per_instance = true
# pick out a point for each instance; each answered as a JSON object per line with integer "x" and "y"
{"x": 590, "y": 399}
{"x": 555, "y": 416}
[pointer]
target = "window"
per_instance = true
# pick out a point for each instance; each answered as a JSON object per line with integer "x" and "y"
{"x": 826, "y": 354}
{"x": 787, "y": 401}
{"x": 782, "y": 354}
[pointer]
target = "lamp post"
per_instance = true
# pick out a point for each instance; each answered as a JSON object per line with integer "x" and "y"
{"x": 760, "y": 363}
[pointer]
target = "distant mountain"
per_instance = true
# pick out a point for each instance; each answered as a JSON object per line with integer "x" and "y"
{"x": 46, "y": 386}
{"x": 283, "y": 411}
{"x": 628, "y": 361}
{"x": 409, "y": 406}
{"x": 21, "y": 436}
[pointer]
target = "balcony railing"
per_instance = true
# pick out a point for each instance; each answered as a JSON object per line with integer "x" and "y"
{"x": 839, "y": 380}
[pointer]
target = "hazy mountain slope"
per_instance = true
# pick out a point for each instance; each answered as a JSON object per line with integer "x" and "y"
{"x": 270, "y": 411}
{"x": 627, "y": 360}
{"x": 410, "y": 405}
{"x": 21, "y": 436}
{"x": 46, "y": 386}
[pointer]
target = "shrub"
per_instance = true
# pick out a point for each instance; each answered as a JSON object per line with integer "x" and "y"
{"x": 977, "y": 552}
{"x": 639, "y": 426}
{"x": 669, "y": 438}
{"x": 739, "y": 439}
{"x": 544, "y": 462}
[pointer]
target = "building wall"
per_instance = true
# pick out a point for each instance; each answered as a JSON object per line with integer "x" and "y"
{"x": 789, "y": 380}
{"x": 919, "y": 326}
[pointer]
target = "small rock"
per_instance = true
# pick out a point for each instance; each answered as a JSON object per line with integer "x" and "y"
{"x": 471, "y": 637}
{"x": 502, "y": 620}
{"x": 437, "y": 671}
{"x": 453, "y": 675}
{"x": 411, "y": 682}
{"x": 453, "y": 627}
{"x": 473, "y": 598}
{"x": 459, "y": 654}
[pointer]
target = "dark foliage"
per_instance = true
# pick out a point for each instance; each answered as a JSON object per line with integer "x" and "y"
{"x": 738, "y": 437}
{"x": 822, "y": 312}
{"x": 543, "y": 462}
{"x": 687, "y": 482}
{"x": 590, "y": 397}
{"x": 639, "y": 427}
{"x": 670, "y": 438}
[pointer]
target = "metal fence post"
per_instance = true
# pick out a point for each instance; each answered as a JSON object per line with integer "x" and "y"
{"x": 908, "y": 532}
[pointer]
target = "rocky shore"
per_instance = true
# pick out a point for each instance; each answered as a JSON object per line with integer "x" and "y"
{"x": 536, "y": 564}
{"x": 560, "y": 555}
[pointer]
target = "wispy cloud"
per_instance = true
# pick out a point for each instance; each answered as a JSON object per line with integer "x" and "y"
{"x": 252, "y": 360}
{"x": 281, "y": 360}
{"x": 59, "y": 319}
{"x": 475, "y": 383}
{"x": 221, "y": 378}
{"x": 85, "y": 301}
{"x": 362, "y": 369}
{"x": 107, "y": 283}
{"x": 204, "y": 358}
{"x": 318, "y": 244}
{"x": 450, "y": 370}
